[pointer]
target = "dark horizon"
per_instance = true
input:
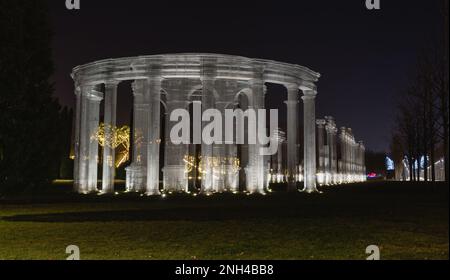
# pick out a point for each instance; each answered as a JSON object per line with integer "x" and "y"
{"x": 364, "y": 56}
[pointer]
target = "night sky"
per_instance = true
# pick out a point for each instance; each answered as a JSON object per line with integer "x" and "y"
{"x": 365, "y": 57}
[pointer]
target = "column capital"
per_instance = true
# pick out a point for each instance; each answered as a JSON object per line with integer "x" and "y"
{"x": 343, "y": 133}
{"x": 85, "y": 90}
{"x": 207, "y": 80}
{"x": 329, "y": 119}
{"x": 77, "y": 91}
{"x": 112, "y": 83}
{"x": 84, "y": 87}
{"x": 310, "y": 93}
{"x": 256, "y": 82}
{"x": 157, "y": 79}
{"x": 292, "y": 87}
{"x": 330, "y": 128}
{"x": 293, "y": 92}
{"x": 321, "y": 123}
{"x": 138, "y": 86}
{"x": 307, "y": 98}
{"x": 292, "y": 102}
{"x": 96, "y": 96}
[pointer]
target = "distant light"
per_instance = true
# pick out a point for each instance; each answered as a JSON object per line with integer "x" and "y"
{"x": 390, "y": 166}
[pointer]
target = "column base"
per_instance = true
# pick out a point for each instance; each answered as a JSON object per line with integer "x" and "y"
{"x": 232, "y": 178}
{"x": 136, "y": 180}
{"x": 153, "y": 193}
{"x": 175, "y": 178}
{"x": 253, "y": 184}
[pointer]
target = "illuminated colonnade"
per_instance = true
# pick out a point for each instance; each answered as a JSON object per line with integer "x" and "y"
{"x": 341, "y": 159}
{"x": 164, "y": 83}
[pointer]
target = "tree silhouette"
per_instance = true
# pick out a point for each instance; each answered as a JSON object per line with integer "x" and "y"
{"x": 33, "y": 126}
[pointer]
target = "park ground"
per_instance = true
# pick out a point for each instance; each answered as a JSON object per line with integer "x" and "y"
{"x": 405, "y": 220}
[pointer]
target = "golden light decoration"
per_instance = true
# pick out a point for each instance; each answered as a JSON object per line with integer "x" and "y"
{"x": 214, "y": 162}
{"x": 114, "y": 137}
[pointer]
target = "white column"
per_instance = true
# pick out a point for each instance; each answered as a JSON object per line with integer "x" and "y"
{"x": 154, "y": 135}
{"x": 77, "y": 140}
{"x": 353, "y": 173}
{"x": 137, "y": 171}
{"x": 321, "y": 172}
{"x": 93, "y": 120}
{"x": 349, "y": 158}
{"x": 362, "y": 162}
{"x": 363, "y": 159}
{"x": 279, "y": 169}
{"x": 109, "y": 156}
{"x": 334, "y": 165}
{"x": 84, "y": 140}
{"x": 358, "y": 165}
{"x": 343, "y": 160}
{"x": 349, "y": 155}
{"x": 220, "y": 170}
{"x": 256, "y": 170}
{"x": 175, "y": 175}
{"x": 229, "y": 88}
{"x": 278, "y": 172}
{"x": 331, "y": 140}
{"x": 292, "y": 136}
{"x": 310, "y": 141}
{"x": 207, "y": 150}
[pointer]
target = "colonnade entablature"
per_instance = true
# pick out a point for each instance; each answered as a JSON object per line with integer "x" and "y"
{"x": 197, "y": 67}
{"x": 218, "y": 81}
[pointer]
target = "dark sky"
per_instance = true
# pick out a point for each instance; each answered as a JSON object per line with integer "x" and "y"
{"x": 365, "y": 57}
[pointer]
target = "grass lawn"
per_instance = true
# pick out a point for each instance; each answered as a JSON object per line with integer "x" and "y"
{"x": 407, "y": 221}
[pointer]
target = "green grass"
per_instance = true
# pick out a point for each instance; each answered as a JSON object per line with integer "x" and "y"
{"x": 406, "y": 221}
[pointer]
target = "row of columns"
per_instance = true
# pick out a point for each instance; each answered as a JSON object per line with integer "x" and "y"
{"x": 349, "y": 167}
{"x": 143, "y": 173}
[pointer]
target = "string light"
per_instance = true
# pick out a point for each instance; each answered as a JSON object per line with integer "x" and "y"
{"x": 119, "y": 137}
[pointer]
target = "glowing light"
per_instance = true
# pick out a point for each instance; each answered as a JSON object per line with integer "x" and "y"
{"x": 119, "y": 139}
{"x": 390, "y": 166}
{"x": 321, "y": 178}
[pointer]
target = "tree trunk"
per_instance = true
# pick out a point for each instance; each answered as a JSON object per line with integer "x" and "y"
{"x": 444, "y": 94}
{"x": 433, "y": 160}
{"x": 411, "y": 168}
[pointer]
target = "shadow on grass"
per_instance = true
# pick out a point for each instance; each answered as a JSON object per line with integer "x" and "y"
{"x": 372, "y": 200}
{"x": 173, "y": 214}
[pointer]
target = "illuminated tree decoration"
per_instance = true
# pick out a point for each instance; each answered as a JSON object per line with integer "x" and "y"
{"x": 216, "y": 162}
{"x": 119, "y": 139}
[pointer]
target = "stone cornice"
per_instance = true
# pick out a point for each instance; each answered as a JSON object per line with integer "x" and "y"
{"x": 195, "y": 66}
